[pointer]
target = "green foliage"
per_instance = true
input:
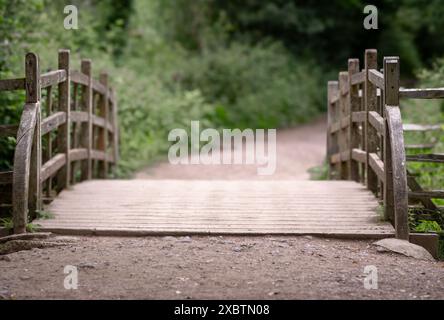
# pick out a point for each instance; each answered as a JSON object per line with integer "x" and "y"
{"x": 253, "y": 63}
{"x": 6, "y": 223}
{"x": 428, "y": 226}
{"x": 319, "y": 172}
{"x": 45, "y": 215}
{"x": 255, "y": 86}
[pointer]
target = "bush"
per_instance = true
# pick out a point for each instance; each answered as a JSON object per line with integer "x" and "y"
{"x": 260, "y": 86}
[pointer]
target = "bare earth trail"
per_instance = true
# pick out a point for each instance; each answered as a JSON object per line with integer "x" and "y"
{"x": 228, "y": 267}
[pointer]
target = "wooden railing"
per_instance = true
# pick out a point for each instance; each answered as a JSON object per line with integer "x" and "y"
{"x": 365, "y": 138}
{"x": 59, "y": 143}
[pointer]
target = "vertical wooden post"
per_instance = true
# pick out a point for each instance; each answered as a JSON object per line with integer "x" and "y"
{"x": 390, "y": 98}
{"x": 115, "y": 129}
{"x": 87, "y": 97}
{"x": 370, "y": 105}
{"x": 363, "y": 167}
{"x": 354, "y": 104}
{"x": 63, "y": 135}
{"x": 395, "y": 188}
{"x": 103, "y": 132}
{"x": 49, "y": 139}
{"x": 330, "y": 88}
{"x": 343, "y": 136}
{"x": 332, "y": 141}
{"x": 33, "y": 95}
{"x": 75, "y": 130}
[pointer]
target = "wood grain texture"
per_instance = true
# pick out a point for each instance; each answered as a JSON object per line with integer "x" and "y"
{"x": 52, "y": 78}
{"x": 12, "y": 84}
{"x": 7, "y": 130}
{"x": 22, "y": 163}
{"x": 370, "y": 102}
{"x": 429, "y": 93}
{"x": 217, "y": 207}
{"x": 64, "y": 136}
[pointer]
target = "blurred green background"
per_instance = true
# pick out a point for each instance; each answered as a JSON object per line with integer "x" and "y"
{"x": 248, "y": 63}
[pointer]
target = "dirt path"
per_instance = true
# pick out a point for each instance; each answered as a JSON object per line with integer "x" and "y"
{"x": 223, "y": 267}
{"x": 218, "y": 268}
{"x": 297, "y": 150}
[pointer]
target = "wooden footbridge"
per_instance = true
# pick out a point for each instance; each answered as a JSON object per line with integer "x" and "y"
{"x": 66, "y": 150}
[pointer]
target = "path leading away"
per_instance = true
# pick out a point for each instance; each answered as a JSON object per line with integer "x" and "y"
{"x": 245, "y": 206}
{"x": 297, "y": 149}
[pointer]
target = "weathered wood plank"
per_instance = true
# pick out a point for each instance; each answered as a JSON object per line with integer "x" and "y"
{"x": 377, "y": 165}
{"x": 421, "y": 127}
{"x": 377, "y": 122}
{"x": 79, "y": 116}
{"x": 357, "y": 78}
{"x": 48, "y": 155}
{"x": 79, "y": 77}
{"x": 353, "y": 130}
{"x": 435, "y": 194}
{"x": 370, "y": 103}
{"x": 87, "y": 128}
{"x": 6, "y": 177}
{"x": 64, "y": 136}
{"x": 33, "y": 96}
{"x": 52, "y": 166}
{"x": 271, "y": 207}
{"x": 420, "y": 146}
{"x": 359, "y": 116}
{"x": 52, "y": 122}
{"x": 332, "y": 143}
{"x": 12, "y": 84}
{"x": 7, "y": 130}
{"x": 103, "y": 133}
{"x": 99, "y": 87}
{"x": 415, "y": 186}
{"x": 22, "y": 160}
{"x": 115, "y": 127}
{"x": 78, "y": 154}
{"x": 52, "y": 78}
{"x": 359, "y": 155}
{"x": 102, "y": 123}
{"x": 436, "y": 158}
{"x": 376, "y": 78}
{"x": 398, "y": 166}
{"x": 429, "y": 93}
{"x": 342, "y": 133}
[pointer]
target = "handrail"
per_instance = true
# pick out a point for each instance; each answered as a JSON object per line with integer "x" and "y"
{"x": 376, "y": 77}
{"x": 22, "y": 166}
{"x": 398, "y": 170}
{"x": 429, "y": 93}
{"x": 365, "y": 134}
{"x": 12, "y": 84}
{"x": 365, "y": 141}
{"x": 73, "y": 119}
{"x": 51, "y": 78}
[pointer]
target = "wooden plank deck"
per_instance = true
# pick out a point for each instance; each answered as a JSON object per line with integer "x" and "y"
{"x": 184, "y": 207}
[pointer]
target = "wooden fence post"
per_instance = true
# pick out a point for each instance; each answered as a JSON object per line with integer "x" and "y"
{"x": 87, "y": 99}
{"x": 115, "y": 129}
{"x": 395, "y": 187}
{"x": 49, "y": 139}
{"x": 63, "y": 135}
{"x": 371, "y": 135}
{"x": 103, "y": 132}
{"x": 33, "y": 95}
{"x": 343, "y": 112}
{"x": 354, "y": 105}
{"x": 332, "y": 138}
{"x": 26, "y": 174}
